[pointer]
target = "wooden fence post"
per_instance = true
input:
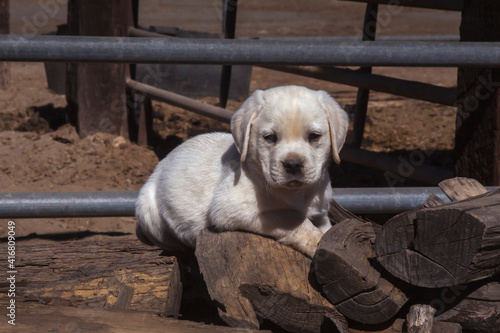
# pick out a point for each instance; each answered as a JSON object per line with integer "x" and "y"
{"x": 4, "y": 29}
{"x": 477, "y": 142}
{"x": 96, "y": 91}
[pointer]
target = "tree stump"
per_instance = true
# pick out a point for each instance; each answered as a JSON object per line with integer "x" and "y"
{"x": 444, "y": 245}
{"x": 350, "y": 282}
{"x": 116, "y": 272}
{"x": 250, "y": 276}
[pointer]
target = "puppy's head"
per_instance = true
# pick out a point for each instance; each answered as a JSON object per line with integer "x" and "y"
{"x": 291, "y": 133}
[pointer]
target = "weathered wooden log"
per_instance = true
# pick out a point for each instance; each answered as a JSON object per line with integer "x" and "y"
{"x": 461, "y": 188}
{"x": 420, "y": 318}
{"x": 477, "y": 311}
{"x": 475, "y": 307}
{"x": 45, "y": 318}
{"x": 350, "y": 282}
{"x": 111, "y": 272}
{"x": 433, "y": 201}
{"x": 250, "y": 276}
{"x": 445, "y": 245}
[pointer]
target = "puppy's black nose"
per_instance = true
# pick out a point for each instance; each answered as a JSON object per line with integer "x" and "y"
{"x": 293, "y": 165}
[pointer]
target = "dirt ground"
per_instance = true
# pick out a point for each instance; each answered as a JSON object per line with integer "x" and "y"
{"x": 39, "y": 152}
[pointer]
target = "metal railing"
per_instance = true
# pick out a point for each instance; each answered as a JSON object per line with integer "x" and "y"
{"x": 122, "y": 203}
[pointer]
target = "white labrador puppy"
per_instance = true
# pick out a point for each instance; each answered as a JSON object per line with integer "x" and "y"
{"x": 271, "y": 179}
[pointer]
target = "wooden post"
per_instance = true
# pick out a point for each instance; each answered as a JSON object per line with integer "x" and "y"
{"x": 477, "y": 143}
{"x": 96, "y": 91}
{"x": 4, "y": 29}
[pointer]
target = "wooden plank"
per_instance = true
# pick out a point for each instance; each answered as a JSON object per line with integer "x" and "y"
{"x": 4, "y": 29}
{"x": 477, "y": 139}
{"x": 45, "y": 318}
{"x": 96, "y": 91}
{"x": 112, "y": 272}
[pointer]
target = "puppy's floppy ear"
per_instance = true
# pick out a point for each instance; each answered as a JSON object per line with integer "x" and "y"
{"x": 338, "y": 123}
{"x": 241, "y": 122}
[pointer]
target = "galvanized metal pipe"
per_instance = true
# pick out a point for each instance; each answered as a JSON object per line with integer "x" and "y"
{"x": 239, "y": 52}
{"x": 187, "y": 103}
{"x": 122, "y": 203}
{"x": 400, "y": 87}
{"x": 454, "y": 5}
{"x": 67, "y": 204}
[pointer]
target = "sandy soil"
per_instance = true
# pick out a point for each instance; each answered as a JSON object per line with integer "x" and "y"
{"x": 37, "y": 154}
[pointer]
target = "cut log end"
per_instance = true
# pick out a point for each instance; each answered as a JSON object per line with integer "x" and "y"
{"x": 444, "y": 245}
{"x": 343, "y": 268}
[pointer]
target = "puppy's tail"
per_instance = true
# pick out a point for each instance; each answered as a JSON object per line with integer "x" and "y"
{"x": 148, "y": 216}
{"x": 151, "y": 228}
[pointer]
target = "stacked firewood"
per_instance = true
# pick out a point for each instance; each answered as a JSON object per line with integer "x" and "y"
{"x": 434, "y": 269}
{"x": 429, "y": 270}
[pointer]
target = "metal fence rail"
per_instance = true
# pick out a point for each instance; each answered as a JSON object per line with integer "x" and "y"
{"x": 243, "y": 52}
{"x": 122, "y": 203}
{"x": 455, "y": 5}
{"x": 361, "y": 79}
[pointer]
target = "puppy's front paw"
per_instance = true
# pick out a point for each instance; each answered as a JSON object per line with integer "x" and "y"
{"x": 304, "y": 239}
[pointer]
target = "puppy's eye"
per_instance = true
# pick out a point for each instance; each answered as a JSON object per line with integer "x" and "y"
{"x": 271, "y": 138}
{"x": 314, "y": 137}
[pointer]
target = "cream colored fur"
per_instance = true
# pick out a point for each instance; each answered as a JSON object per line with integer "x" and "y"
{"x": 270, "y": 177}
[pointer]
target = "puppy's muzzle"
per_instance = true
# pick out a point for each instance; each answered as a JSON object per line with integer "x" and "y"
{"x": 293, "y": 165}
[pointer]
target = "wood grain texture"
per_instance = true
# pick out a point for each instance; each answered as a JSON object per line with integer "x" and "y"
{"x": 461, "y": 188}
{"x": 350, "y": 282}
{"x": 45, "y": 318}
{"x": 237, "y": 265}
{"x": 433, "y": 201}
{"x": 96, "y": 91}
{"x": 445, "y": 245}
{"x": 113, "y": 272}
{"x": 476, "y": 311}
{"x": 420, "y": 318}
